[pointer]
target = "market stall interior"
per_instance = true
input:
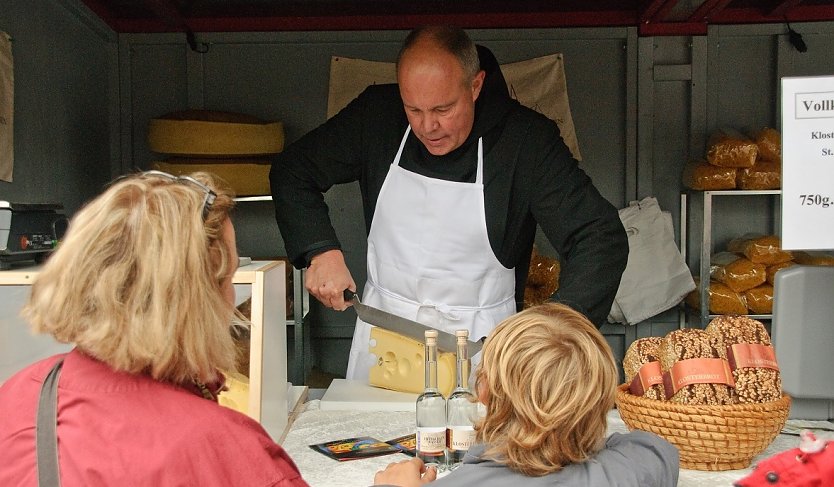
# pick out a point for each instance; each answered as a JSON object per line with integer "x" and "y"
{"x": 675, "y": 72}
{"x": 657, "y": 91}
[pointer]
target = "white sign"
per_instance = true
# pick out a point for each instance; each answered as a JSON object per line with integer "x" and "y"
{"x": 808, "y": 163}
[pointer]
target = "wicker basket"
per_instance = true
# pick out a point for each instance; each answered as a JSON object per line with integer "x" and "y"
{"x": 707, "y": 437}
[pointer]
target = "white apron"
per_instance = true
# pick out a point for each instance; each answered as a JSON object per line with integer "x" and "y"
{"x": 429, "y": 259}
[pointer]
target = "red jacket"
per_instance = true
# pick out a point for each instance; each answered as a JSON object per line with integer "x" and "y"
{"x": 122, "y": 429}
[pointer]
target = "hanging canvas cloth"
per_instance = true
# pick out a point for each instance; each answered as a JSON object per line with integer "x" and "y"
{"x": 537, "y": 83}
{"x": 6, "y": 108}
{"x": 656, "y": 277}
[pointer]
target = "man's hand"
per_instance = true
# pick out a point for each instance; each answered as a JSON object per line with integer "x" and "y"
{"x": 406, "y": 473}
{"x": 328, "y": 277}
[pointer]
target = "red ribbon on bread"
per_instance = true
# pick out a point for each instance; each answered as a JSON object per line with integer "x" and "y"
{"x": 743, "y": 355}
{"x": 649, "y": 374}
{"x": 697, "y": 371}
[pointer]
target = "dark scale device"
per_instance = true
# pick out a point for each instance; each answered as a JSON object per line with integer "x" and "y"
{"x": 29, "y": 232}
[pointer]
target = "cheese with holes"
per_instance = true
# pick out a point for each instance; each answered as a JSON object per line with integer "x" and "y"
{"x": 207, "y": 133}
{"x": 236, "y": 395}
{"x": 400, "y": 364}
{"x": 246, "y": 177}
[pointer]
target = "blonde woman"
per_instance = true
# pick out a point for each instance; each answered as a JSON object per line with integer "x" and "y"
{"x": 142, "y": 285}
{"x": 548, "y": 380}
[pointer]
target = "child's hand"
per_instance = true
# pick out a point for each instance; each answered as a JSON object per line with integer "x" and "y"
{"x": 406, "y": 473}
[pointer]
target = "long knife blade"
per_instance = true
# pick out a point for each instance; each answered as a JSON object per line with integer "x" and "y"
{"x": 412, "y": 329}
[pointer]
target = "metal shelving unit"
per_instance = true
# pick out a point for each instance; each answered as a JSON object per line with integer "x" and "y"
{"x": 706, "y": 243}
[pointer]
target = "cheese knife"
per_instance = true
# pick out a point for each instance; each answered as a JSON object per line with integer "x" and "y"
{"x": 412, "y": 329}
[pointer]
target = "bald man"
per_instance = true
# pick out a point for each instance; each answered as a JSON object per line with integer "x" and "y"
{"x": 455, "y": 176}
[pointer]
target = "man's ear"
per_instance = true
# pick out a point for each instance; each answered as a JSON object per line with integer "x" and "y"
{"x": 477, "y": 84}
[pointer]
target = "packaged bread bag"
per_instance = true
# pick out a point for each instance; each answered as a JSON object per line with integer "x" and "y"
{"x": 736, "y": 271}
{"x": 771, "y": 270}
{"x": 722, "y": 299}
{"x": 729, "y": 148}
{"x": 804, "y": 257}
{"x": 703, "y": 176}
{"x": 769, "y": 142}
{"x": 746, "y": 345}
{"x": 761, "y": 175}
{"x": 542, "y": 278}
{"x": 641, "y": 366}
{"x": 694, "y": 371}
{"x": 760, "y": 249}
{"x": 760, "y": 299}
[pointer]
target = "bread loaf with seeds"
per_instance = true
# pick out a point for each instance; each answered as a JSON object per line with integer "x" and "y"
{"x": 683, "y": 345}
{"x": 641, "y": 352}
{"x": 760, "y": 381}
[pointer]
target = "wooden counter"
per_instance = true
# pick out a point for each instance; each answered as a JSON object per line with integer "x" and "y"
{"x": 268, "y": 387}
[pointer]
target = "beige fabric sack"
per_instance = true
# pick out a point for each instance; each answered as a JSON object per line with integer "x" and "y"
{"x": 538, "y": 83}
{"x": 656, "y": 277}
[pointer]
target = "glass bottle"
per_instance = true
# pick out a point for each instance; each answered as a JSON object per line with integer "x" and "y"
{"x": 461, "y": 408}
{"x": 431, "y": 412}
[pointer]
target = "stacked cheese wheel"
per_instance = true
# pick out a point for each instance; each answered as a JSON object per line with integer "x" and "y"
{"x": 234, "y": 146}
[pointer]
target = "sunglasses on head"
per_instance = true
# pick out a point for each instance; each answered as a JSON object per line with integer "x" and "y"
{"x": 208, "y": 195}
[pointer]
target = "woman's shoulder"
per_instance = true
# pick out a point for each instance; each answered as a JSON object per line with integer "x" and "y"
{"x": 32, "y": 374}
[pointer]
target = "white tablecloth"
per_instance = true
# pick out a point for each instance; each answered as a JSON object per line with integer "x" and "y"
{"x": 314, "y": 425}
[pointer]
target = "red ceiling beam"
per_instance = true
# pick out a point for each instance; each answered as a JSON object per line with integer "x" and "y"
{"x": 650, "y": 21}
{"x": 673, "y": 29}
{"x": 648, "y": 13}
{"x": 168, "y": 13}
{"x": 783, "y": 7}
{"x": 809, "y": 13}
{"x": 101, "y": 10}
{"x": 660, "y": 14}
{"x": 382, "y": 22}
{"x": 707, "y": 10}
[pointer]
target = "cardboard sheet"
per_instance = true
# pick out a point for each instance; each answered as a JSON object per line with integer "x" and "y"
{"x": 538, "y": 83}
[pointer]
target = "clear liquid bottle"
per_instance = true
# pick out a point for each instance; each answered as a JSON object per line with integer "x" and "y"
{"x": 461, "y": 408}
{"x": 431, "y": 412}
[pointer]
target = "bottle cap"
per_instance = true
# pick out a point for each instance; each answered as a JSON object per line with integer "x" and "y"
{"x": 431, "y": 337}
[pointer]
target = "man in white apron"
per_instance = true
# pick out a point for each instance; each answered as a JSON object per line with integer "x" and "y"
{"x": 452, "y": 220}
{"x": 434, "y": 266}
{"x": 429, "y": 256}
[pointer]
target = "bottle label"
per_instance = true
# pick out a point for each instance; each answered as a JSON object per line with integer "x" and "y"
{"x": 431, "y": 440}
{"x": 460, "y": 438}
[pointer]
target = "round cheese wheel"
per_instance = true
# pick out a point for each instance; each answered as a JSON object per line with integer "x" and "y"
{"x": 207, "y": 133}
{"x": 246, "y": 177}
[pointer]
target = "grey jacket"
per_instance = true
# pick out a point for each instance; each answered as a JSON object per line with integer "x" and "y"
{"x": 636, "y": 459}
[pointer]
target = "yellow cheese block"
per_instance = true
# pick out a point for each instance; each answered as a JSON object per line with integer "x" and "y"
{"x": 400, "y": 364}
{"x": 206, "y": 133}
{"x": 248, "y": 177}
{"x": 236, "y": 396}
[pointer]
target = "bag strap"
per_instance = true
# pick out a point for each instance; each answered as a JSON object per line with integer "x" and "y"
{"x": 46, "y": 437}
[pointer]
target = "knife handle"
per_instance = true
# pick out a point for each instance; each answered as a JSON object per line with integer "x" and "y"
{"x": 350, "y": 295}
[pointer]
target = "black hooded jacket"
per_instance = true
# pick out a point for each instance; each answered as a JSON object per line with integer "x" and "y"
{"x": 530, "y": 178}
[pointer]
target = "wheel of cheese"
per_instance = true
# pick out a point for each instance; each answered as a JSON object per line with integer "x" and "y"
{"x": 207, "y": 133}
{"x": 246, "y": 177}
